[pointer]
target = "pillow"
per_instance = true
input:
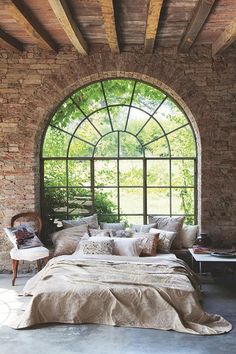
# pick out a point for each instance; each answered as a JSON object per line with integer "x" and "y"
{"x": 127, "y": 246}
{"x": 99, "y": 233}
{"x": 170, "y": 223}
{"x": 23, "y": 236}
{"x": 92, "y": 221}
{"x": 121, "y": 233}
{"x": 66, "y": 240}
{"x": 112, "y": 226}
{"x": 141, "y": 228}
{"x": 166, "y": 239}
{"x": 188, "y": 235}
{"x": 149, "y": 243}
{"x": 95, "y": 245}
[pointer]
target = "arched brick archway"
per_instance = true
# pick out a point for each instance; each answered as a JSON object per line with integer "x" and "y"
{"x": 55, "y": 88}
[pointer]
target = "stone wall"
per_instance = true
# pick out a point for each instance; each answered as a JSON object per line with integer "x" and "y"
{"x": 34, "y": 83}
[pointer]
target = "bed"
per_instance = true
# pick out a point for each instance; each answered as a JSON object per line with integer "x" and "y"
{"x": 147, "y": 292}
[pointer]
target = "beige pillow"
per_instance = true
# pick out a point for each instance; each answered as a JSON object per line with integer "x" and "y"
{"x": 166, "y": 239}
{"x": 169, "y": 223}
{"x": 92, "y": 221}
{"x": 112, "y": 225}
{"x": 141, "y": 228}
{"x": 149, "y": 243}
{"x": 188, "y": 235}
{"x": 66, "y": 240}
{"x": 95, "y": 245}
{"x": 127, "y": 246}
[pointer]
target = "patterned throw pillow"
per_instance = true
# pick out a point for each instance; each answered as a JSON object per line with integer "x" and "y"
{"x": 96, "y": 245}
{"x": 23, "y": 236}
{"x": 91, "y": 221}
{"x": 165, "y": 239}
{"x": 149, "y": 243}
{"x": 170, "y": 223}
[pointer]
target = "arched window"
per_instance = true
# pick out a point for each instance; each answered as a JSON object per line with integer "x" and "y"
{"x": 123, "y": 149}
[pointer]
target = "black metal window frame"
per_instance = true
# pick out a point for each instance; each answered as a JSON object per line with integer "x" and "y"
{"x": 93, "y": 187}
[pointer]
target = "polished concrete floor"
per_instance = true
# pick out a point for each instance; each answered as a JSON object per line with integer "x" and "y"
{"x": 220, "y": 297}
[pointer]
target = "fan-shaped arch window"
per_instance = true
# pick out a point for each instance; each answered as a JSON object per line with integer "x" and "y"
{"x": 123, "y": 149}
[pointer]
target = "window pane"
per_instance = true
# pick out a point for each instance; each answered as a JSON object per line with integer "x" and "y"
{"x": 79, "y": 148}
{"x": 55, "y": 143}
{"x": 137, "y": 219}
{"x": 158, "y": 172}
{"x": 182, "y": 143}
{"x": 87, "y": 132}
{"x": 67, "y": 117}
{"x": 131, "y": 172}
{"x": 118, "y": 117}
{"x": 158, "y": 201}
{"x": 118, "y": 91}
{"x": 131, "y": 200}
{"x": 182, "y": 200}
{"x": 90, "y": 98}
{"x": 107, "y": 146}
{"x": 130, "y": 146}
{"x": 106, "y": 201}
{"x": 108, "y": 218}
{"x": 147, "y": 97}
{"x": 189, "y": 220}
{"x": 136, "y": 120}
{"x": 79, "y": 202}
{"x": 55, "y": 173}
{"x": 150, "y": 132}
{"x": 105, "y": 173}
{"x": 170, "y": 116}
{"x": 79, "y": 173}
{"x": 158, "y": 148}
{"x": 101, "y": 121}
{"x": 55, "y": 203}
{"x": 182, "y": 172}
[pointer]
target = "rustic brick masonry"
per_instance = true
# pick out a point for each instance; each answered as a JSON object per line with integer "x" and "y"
{"x": 34, "y": 83}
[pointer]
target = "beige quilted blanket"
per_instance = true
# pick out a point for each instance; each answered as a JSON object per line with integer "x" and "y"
{"x": 119, "y": 291}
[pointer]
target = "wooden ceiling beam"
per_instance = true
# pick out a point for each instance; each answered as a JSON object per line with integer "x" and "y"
{"x": 30, "y": 24}
{"x": 224, "y": 40}
{"x": 197, "y": 21}
{"x": 10, "y": 41}
{"x": 108, "y": 15}
{"x": 63, "y": 14}
{"x": 153, "y": 16}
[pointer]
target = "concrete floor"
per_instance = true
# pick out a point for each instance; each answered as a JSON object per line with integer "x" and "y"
{"x": 220, "y": 297}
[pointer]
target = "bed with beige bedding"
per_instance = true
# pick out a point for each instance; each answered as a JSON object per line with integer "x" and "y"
{"x": 153, "y": 292}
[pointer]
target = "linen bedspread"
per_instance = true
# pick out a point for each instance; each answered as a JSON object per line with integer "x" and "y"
{"x": 119, "y": 291}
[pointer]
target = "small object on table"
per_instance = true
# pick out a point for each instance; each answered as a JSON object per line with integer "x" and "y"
{"x": 203, "y": 240}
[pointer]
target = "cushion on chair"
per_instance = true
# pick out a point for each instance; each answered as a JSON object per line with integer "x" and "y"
{"x": 29, "y": 254}
{"x": 23, "y": 237}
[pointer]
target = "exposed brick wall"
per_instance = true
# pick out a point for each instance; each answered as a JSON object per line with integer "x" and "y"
{"x": 34, "y": 83}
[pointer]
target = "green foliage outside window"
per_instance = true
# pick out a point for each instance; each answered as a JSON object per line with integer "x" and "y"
{"x": 128, "y": 128}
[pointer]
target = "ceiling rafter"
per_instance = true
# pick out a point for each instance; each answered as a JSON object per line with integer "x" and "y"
{"x": 197, "y": 21}
{"x": 153, "y": 16}
{"x": 227, "y": 37}
{"x": 30, "y": 24}
{"x": 7, "y": 39}
{"x": 64, "y": 16}
{"x": 108, "y": 15}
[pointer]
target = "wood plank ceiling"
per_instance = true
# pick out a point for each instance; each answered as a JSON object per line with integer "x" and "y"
{"x": 119, "y": 25}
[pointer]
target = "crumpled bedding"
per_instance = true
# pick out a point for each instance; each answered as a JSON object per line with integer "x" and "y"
{"x": 119, "y": 291}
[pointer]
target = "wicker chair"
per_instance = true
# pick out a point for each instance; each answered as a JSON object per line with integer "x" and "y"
{"x": 30, "y": 254}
